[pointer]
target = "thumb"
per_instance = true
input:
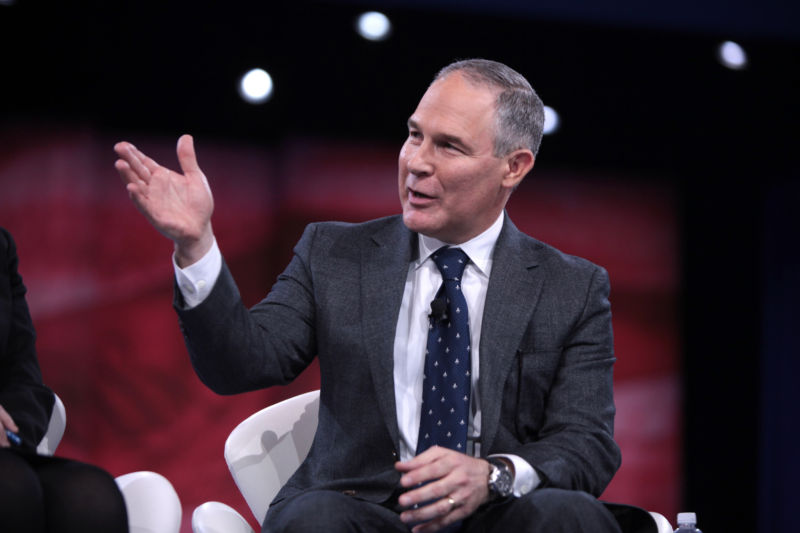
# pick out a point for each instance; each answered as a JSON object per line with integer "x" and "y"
{"x": 186, "y": 156}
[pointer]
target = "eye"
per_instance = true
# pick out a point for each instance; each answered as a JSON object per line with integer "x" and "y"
{"x": 451, "y": 147}
{"x": 415, "y": 135}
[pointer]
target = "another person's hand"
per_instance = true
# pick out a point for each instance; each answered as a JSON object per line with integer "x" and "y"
{"x": 178, "y": 205}
{"x": 6, "y": 422}
{"x": 455, "y": 485}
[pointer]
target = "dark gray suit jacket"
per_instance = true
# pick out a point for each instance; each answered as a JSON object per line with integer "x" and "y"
{"x": 546, "y": 354}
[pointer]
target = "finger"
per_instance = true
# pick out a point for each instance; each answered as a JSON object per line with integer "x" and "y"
{"x": 457, "y": 511}
{"x": 423, "y": 474}
{"x": 421, "y": 495}
{"x": 6, "y": 421}
{"x": 140, "y": 162}
{"x": 424, "y": 468}
{"x": 128, "y": 152}
{"x": 136, "y": 162}
{"x": 437, "y": 510}
{"x": 139, "y": 199}
{"x": 186, "y": 155}
{"x": 425, "y": 458}
{"x": 126, "y": 173}
{"x": 122, "y": 148}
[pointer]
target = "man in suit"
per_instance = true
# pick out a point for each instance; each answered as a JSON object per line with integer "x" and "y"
{"x": 539, "y": 422}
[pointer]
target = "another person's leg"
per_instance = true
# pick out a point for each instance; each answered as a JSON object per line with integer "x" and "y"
{"x": 81, "y": 497}
{"x": 21, "y": 507}
{"x": 545, "y": 510}
{"x": 327, "y": 511}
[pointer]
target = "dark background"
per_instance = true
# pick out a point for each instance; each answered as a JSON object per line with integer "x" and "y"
{"x": 638, "y": 89}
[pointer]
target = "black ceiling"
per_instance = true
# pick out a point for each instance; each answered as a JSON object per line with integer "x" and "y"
{"x": 628, "y": 96}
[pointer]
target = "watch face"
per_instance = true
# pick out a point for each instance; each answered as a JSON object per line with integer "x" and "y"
{"x": 500, "y": 482}
{"x": 505, "y": 482}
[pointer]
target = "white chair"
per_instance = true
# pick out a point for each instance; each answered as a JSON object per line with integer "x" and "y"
{"x": 55, "y": 429}
{"x": 153, "y": 505}
{"x": 263, "y": 452}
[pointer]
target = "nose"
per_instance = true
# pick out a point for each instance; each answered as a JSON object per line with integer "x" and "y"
{"x": 418, "y": 160}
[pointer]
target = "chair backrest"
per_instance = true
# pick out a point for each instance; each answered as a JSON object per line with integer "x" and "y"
{"x": 264, "y": 450}
{"x": 55, "y": 429}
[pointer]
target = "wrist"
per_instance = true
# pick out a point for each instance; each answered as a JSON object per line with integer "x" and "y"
{"x": 501, "y": 478}
{"x": 190, "y": 251}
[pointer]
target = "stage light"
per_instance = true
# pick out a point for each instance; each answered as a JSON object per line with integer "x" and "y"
{"x": 732, "y": 56}
{"x": 551, "y": 120}
{"x": 374, "y": 26}
{"x": 256, "y": 86}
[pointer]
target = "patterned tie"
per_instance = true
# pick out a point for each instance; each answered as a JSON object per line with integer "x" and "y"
{"x": 446, "y": 383}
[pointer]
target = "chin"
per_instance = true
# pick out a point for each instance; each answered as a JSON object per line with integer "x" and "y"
{"x": 416, "y": 222}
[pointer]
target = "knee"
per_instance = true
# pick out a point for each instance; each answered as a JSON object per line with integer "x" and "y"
{"x": 85, "y": 496}
{"x": 19, "y": 479}
{"x": 321, "y": 501}
{"x": 320, "y": 511}
{"x": 567, "y": 510}
{"x": 21, "y": 496}
{"x": 75, "y": 477}
{"x": 309, "y": 511}
{"x": 561, "y": 501}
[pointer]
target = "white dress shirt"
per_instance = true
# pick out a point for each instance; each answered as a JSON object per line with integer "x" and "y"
{"x": 422, "y": 282}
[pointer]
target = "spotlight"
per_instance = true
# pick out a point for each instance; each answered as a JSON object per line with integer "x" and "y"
{"x": 374, "y": 26}
{"x": 551, "y": 120}
{"x": 256, "y": 86}
{"x": 732, "y": 56}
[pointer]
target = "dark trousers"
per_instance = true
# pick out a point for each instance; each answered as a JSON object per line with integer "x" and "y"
{"x": 543, "y": 510}
{"x": 44, "y": 494}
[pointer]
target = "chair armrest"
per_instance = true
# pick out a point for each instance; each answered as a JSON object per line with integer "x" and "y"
{"x": 216, "y": 517}
{"x": 152, "y": 503}
{"x": 662, "y": 523}
{"x": 55, "y": 428}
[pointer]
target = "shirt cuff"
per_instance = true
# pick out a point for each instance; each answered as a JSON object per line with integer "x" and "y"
{"x": 525, "y": 477}
{"x": 196, "y": 281}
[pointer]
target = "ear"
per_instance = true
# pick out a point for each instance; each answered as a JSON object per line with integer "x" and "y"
{"x": 520, "y": 162}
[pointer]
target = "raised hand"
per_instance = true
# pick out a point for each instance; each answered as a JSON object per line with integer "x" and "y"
{"x": 178, "y": 205}
{"x": 455, "y": 484}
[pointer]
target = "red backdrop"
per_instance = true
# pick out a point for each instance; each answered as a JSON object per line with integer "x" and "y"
{"x": 100, "y": 287}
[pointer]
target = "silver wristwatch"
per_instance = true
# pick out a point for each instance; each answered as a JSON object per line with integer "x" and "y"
{"x": 501, "y": 480}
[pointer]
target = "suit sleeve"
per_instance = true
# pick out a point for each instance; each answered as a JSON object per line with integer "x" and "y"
{"x": 22, "y": 393}
{"x": 570, "y": 441}
{"x": 234, "y": 349}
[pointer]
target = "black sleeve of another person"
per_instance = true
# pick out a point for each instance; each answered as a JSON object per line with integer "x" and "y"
{"x": 22, "y": 393}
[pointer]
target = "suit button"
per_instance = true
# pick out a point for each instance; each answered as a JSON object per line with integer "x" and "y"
{"x": 394, "y": 454}
{"x": 349, "y": 492}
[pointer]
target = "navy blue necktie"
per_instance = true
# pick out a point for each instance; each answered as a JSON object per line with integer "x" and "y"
{"x": 446, "y": 384}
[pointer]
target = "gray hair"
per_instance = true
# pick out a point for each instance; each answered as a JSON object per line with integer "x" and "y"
{"x": 519, "y": 112}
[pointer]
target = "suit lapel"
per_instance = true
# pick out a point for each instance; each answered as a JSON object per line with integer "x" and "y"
{"x": 511, "y": 297}
{"x": 384, "y": 266}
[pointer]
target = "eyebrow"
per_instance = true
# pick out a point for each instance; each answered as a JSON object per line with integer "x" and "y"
{"x": 442, "y": 137}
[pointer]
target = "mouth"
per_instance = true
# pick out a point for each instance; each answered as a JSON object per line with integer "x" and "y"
{"x": 416, "y": 195}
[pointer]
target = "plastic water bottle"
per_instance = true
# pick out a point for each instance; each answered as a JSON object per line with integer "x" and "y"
{"x": 687, "y": 523}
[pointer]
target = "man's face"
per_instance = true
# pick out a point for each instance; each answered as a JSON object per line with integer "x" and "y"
{"x": 451, "y": 185}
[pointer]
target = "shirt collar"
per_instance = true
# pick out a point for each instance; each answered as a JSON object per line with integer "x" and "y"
{"x": 479, "y": 248}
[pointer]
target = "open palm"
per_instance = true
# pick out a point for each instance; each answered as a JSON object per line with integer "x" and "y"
{"x": 179, "y": 205}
